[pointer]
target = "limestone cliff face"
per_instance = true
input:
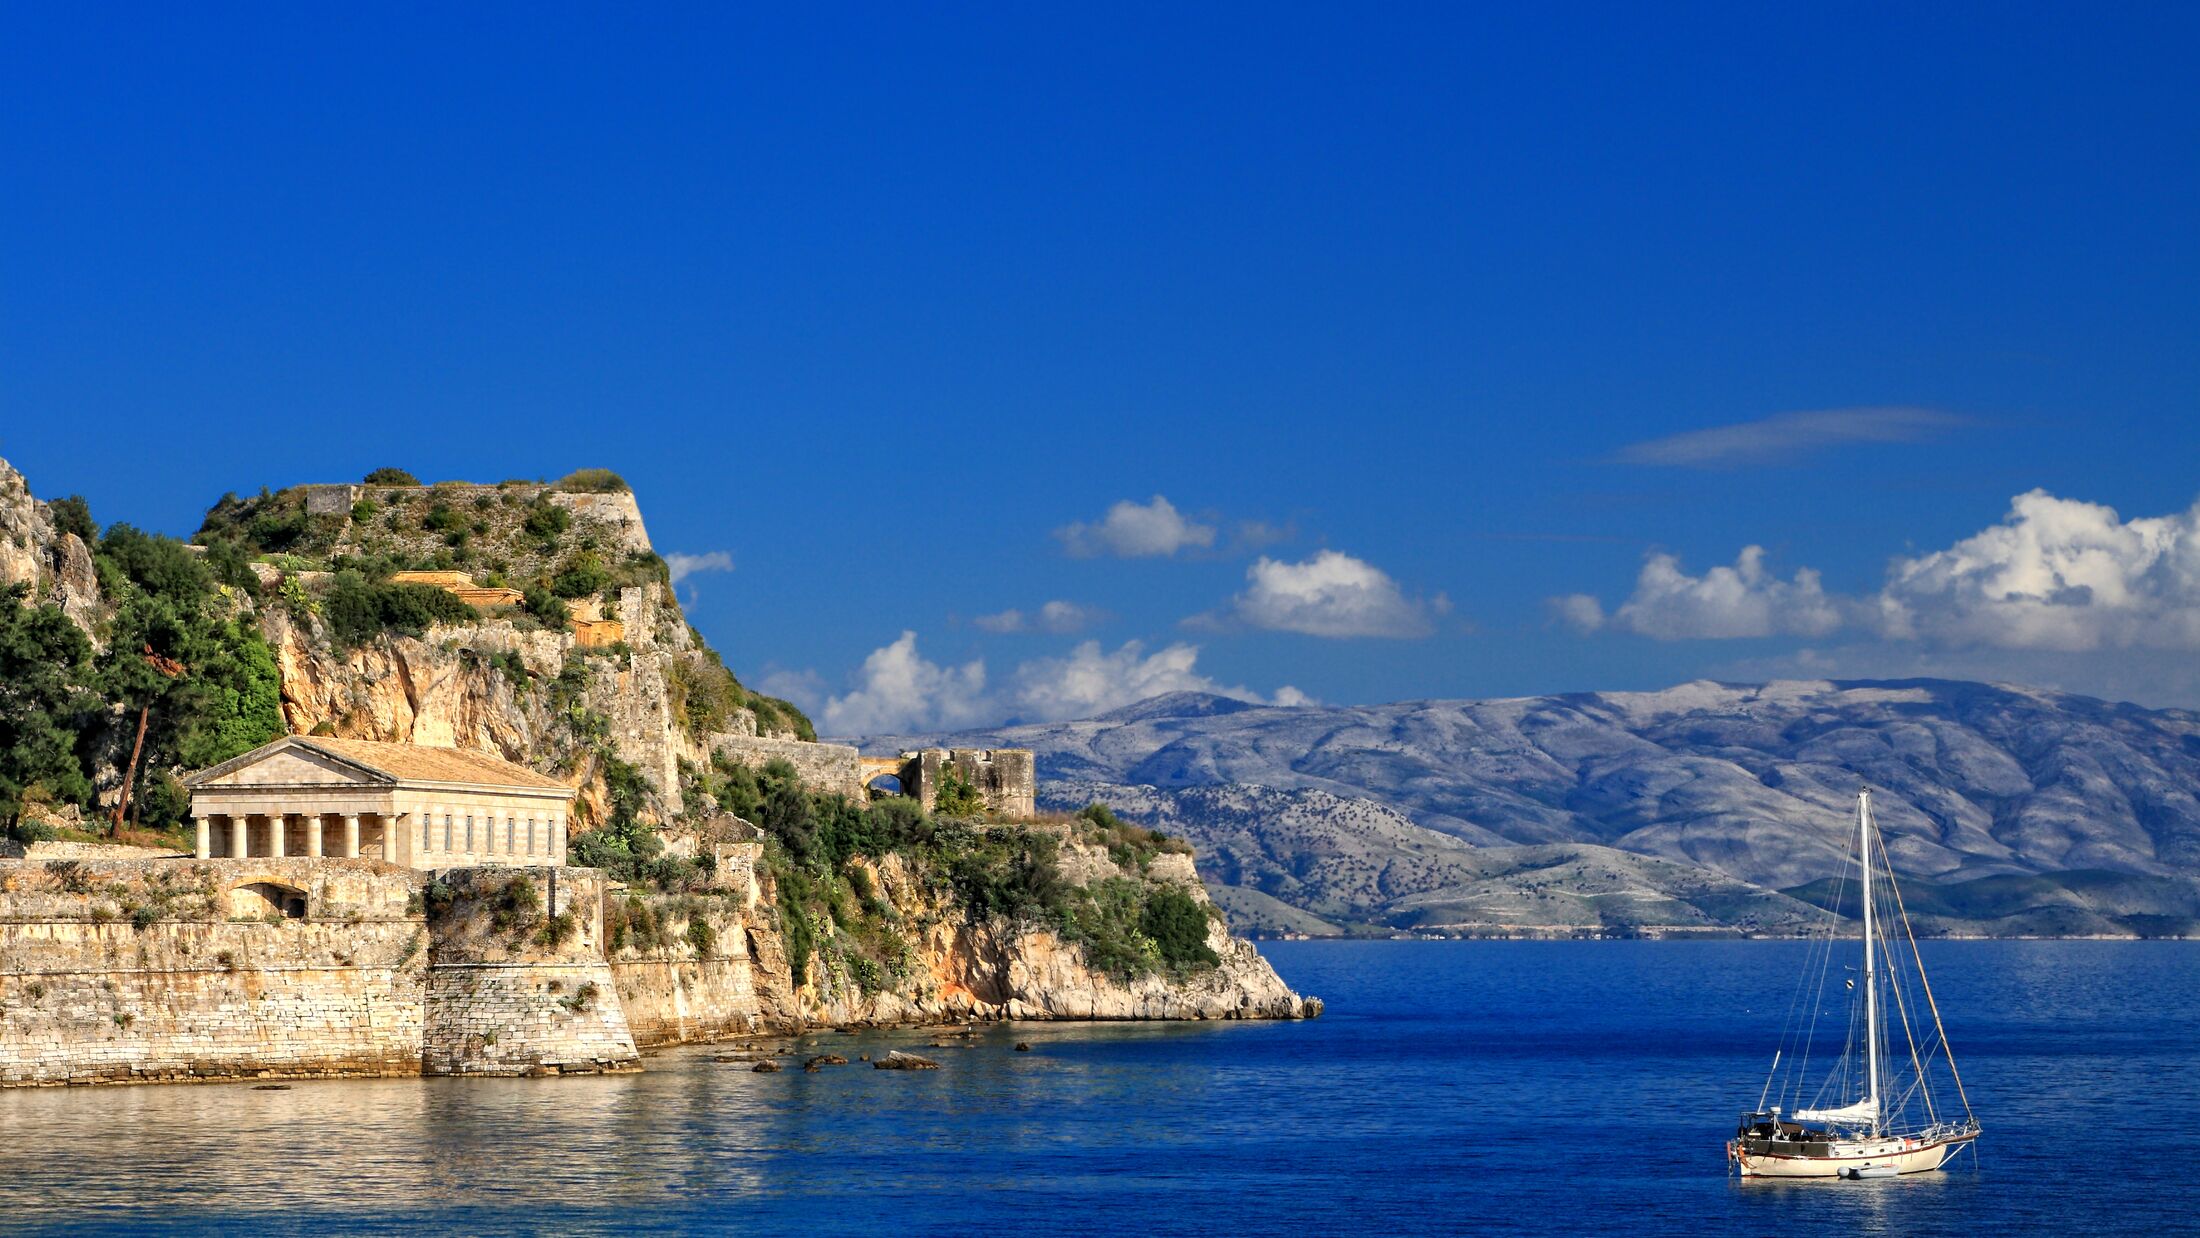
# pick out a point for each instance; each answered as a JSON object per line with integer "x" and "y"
{"x": 463, "y": 685}
{"x": 56, "y": 565}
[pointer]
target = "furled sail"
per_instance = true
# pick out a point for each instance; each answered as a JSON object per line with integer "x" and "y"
{"x": 1862, "y": 1111}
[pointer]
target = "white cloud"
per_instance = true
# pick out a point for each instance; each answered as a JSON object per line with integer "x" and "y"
{"x": 1578, "y": 611}
{"x": 898, "y": 690}
{"x": 1788, "y": 436}
{"x": 805, "y": 688}
{"x": 1056, "y": 618}
{"x": 1331, "y": 594}
{"x": 1742, "y": 600}
{"x": 686, "y": 565}
{"x": 1090, "y": 681}
{"x": 1134, "y": 530}
{"x": 2055, "y": 574}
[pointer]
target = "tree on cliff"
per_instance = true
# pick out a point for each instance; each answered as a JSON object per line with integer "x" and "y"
{"x": 43, "y": 659}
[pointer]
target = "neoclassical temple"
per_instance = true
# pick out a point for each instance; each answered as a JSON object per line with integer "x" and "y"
{"x": 408, "y": 804}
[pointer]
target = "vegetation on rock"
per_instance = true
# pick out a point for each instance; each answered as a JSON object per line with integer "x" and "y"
{"x": 173, "y": 651}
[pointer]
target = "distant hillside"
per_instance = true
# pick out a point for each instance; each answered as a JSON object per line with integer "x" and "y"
{"x": 1386, "y": 814}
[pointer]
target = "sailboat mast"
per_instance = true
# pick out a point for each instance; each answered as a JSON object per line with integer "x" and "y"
{"x": 1871, "y": 995}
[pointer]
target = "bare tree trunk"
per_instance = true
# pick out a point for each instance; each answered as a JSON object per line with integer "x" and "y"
{"x": 129, "y": 780}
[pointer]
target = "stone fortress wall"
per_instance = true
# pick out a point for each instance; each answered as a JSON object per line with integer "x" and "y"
{"x": 616, "y": 513}
{"x": 1006, "y": 778}
{"x": 134, "y": 970}
{"x": 680, "y": 994}
{"x": 122, "y": 971}
{"x": 511, "y": 997}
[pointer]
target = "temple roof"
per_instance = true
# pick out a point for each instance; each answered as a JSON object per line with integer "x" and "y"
{"x": 397, "y": 763}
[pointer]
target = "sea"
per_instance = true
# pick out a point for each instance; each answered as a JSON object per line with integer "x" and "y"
{"x": 1451, "y": 1088}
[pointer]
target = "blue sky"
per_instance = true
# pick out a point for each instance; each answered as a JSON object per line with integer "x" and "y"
{"x": 1406, "y": 314}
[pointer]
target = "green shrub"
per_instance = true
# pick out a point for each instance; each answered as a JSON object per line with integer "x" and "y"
{"x": 515, "y": 904}
{"x": 363, "y": 511}
{"x": 358, "y": 610}
{"x": 591, "y": 481}
{"x": 74, "y": 515}
{"x": 391, "y": 477}
{"x": 442, "y": 518}
{"x": 1177, "y": 924}
{"x": 556, "y": 931}
{"x": 584, "y": 575}
{"x": 547, "y": 608}
{"x": 545, "y": 518}
{"x": 702, "y": 936}
{"x": 957, "y": 796}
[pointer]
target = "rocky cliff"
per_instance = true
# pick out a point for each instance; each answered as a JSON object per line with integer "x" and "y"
{"x": 53, "y": 563}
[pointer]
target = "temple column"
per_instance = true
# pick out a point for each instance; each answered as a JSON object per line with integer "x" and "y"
{"x": 205, "y": 848}
{"x": 313, "y": 836}
{"x": 240, "y": 831}
{"x": 351, "y": 836}
{"x": 389, "y": 840}
{"x": 276, "y": 824}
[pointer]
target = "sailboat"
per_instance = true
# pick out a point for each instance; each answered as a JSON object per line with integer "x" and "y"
{"x": 1872, "y": 1113}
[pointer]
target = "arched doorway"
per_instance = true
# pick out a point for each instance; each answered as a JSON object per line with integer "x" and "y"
{"x": 266, "y": 900}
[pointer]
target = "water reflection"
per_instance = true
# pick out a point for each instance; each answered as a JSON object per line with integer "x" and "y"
{"x": 368, "y": 1155}
{"x": 1452, "y": 1088}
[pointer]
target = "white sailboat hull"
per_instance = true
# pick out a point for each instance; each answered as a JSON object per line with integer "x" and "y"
{"x": 1765, "y": 1159}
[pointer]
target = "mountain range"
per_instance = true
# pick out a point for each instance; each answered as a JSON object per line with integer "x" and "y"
{"x": 1707, "y": 806}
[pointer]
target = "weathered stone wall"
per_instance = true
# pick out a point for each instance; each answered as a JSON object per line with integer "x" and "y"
{"x": 1005, "y": 777}
{"x": 677, "y": 991}
{"x": 10, "y": 849}
{"x": 138, "y": 970}
{"x": 127, "y": 971}
{"x": 517, "y": 983}
{"x": 832, "y": 768}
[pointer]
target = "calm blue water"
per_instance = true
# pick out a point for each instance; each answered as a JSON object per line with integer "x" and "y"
{"x": 1485, "y": 1087}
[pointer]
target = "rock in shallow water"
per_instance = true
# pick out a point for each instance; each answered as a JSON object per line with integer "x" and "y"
{"x": 897, "y": 1060}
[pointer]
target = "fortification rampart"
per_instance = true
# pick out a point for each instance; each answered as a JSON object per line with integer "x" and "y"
{"x": 116, "y": 971}
{"x": 831, "y": 768}
{"x": 129, "y": 971}
{"x": 680, "y": 984}
{"x": 517, "y": 983}
{"x": 615, "y": 513}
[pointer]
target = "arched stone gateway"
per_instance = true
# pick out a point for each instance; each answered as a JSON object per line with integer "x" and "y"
{"x": 1003, "y": 777}
{"x": 266, "y": 900}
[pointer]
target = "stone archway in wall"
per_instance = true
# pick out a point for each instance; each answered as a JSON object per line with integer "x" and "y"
{"x": 266, "y": 900}
{"x": 885, "y": 777}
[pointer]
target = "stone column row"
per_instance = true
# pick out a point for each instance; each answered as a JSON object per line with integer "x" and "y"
{"x": 278, "y": 826}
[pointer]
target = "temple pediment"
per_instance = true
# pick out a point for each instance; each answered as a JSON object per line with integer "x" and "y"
{"x": 287, "y": 764}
